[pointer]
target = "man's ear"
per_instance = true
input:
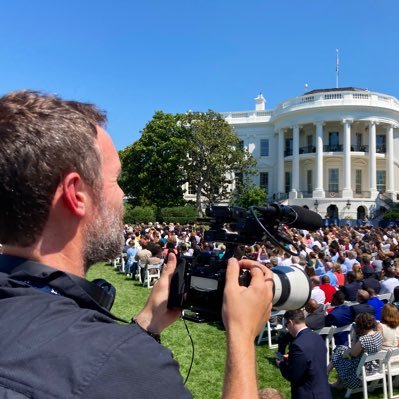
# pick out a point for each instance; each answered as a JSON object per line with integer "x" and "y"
{"x": 74, "y": 194}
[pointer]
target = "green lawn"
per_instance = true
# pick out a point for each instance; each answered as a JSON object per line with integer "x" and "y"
{"x": 206, "y": 377}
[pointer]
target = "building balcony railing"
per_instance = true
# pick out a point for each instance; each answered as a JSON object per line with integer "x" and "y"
{"x": 360, "y": 148}
{"x": 288, "y": 153}
{"x": 308, "y": 149}
{"x": 333, "y": 148}
{"x": 381, "y": 149}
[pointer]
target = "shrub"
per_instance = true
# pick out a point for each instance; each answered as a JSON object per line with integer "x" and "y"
{"x": 138, "y": 214}
{"x": 391, "y": 214}
{"x": 178, "y": 214}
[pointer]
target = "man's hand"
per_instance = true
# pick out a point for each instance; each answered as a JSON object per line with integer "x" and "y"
{"x": 155, "y": 315}
{"x": 246, "y": 309}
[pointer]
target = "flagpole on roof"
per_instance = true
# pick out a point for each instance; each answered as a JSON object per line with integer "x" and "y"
{"x": 336, "y": 69}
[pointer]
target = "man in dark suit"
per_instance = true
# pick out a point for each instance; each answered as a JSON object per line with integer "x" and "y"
{"x": 363, "y": 307}
{"x": 306, "y": 367}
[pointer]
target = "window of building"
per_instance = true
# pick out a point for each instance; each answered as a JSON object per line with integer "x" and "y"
{"x": 192, "y": 189}
{"x": 381, "y": 181}
{"x": 288, "y": 147}
{"x": 380, "y": 143}
{"x": 309, "y": 140}
{"x": 239, "y": 179}
{"x": 358, "y": 181}
{"x": 309, "y": 180}
{"x": 333, "y": 138}
{"x": 358, "y": 140}
{"x": 333, "y": 180}
{"x": 264, "y": 148}
{"x": 287, "y": 182}
{"x": 264, "y": 180}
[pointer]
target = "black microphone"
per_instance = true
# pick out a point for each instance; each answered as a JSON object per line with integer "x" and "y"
{"x": 293, "y": 216}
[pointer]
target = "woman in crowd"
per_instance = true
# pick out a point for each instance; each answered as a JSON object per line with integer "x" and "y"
{"x": 345, "y": 360}
{"x": 389, "y": 326}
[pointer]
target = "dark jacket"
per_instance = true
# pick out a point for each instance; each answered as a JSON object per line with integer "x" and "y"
{"x": 340, "y": 316}
{"x": 361, "y": 308}
{"x": 57, "y": 342}
{"x": 350, "y": 290}
{"x": 306, "y": 367}
{"x": 315, "y": 320}
{"x": 371, "y": 282}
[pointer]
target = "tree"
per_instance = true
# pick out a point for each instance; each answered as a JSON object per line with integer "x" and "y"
{"x": 151, "y": 167}
{"x": 214, "y": 156}
{"x": 250, "y": 195}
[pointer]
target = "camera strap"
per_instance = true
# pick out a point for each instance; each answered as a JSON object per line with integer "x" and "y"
{"x": 98, "y": 295}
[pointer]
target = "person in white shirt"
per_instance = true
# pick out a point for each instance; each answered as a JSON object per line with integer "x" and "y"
{"x": 389, "y": 284}
{"x": 317, "y": 294}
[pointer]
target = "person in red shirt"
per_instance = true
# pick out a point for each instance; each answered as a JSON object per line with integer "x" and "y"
{"x": 328, "y": 289}
{"x": 340, "y": 276}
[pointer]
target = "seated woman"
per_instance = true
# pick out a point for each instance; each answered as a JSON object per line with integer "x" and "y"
{"x": 389, "y": 326}
{"x": 345, "y": 360}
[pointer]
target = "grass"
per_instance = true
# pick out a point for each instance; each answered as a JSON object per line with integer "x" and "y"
{"x": 206, "y": 378}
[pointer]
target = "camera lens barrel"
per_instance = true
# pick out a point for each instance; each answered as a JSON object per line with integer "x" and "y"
{"x": 291, "y": 287}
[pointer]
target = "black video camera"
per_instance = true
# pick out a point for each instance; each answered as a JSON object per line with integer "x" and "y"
{"x": 199, "y": 281}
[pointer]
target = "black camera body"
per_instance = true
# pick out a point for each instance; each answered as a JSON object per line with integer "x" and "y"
{"x": 198, "y": 283}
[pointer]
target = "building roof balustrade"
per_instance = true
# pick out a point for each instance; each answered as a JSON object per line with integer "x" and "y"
{"x": 247, "y": 116}
{"x": 344, "y": 97}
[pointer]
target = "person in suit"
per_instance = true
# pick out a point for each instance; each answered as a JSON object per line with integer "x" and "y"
{"x": 306, "y": 367}
{"x": 351, "y": 287}
{"x": 340, "y": 316}
{"x": 363, "y": 306}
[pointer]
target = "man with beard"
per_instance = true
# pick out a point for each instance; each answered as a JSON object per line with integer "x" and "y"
{"x": 60, "y": 212}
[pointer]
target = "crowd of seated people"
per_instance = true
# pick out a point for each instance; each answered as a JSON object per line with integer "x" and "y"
{"x": 349, "y": 267}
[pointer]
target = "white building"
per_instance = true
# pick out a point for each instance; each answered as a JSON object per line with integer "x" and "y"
{"x": 335, "y": 151}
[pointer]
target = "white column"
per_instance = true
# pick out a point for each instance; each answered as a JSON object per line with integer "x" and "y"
{"x": 295, "y": 163}
{"x": 372, "y": 160}
{"x": 280, "y": 162}
{"x": 347, "y": 190}
{"x": 389, "y": 157}
{"x": 319, "y": 189}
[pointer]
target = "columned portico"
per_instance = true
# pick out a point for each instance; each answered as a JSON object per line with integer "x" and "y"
{"x": 280, "y": 151}
{"x": 372, "y": 159}
{"x": 319, "y": 190}
{"x": 347, "y": 190}
{"x": 390, "y": 165}
{"x": 295, "y": 163}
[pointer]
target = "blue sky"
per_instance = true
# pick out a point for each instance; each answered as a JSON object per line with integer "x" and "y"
{"x": 132, "y": 58}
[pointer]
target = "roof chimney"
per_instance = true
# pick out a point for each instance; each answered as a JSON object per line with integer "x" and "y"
{"x": 260, "y": 102}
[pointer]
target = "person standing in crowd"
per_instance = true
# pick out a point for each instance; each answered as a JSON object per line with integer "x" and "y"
{"x": 61, "y": 339}
{"x": 306, "y": 366}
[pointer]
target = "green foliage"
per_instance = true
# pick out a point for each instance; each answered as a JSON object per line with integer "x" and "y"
{"x": 151, "y": 172}
{"x": 138, "y": 214}
{"x": 214, "y": 156}
{"x": 196, "y": 148}
{"x": 251, "y": 195}
{"x": 392, "y": 214}
{"x": 179, "y": 214}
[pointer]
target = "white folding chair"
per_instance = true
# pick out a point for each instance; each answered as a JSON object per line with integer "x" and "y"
{"x": 142, "y": 264}
{"x": 152, "y": 272}
{"x": 393, "y": 371}
{"x": 268, "y": 329}
{"x": 385, "y": 297}
{"x": 376, "y": 376}
{"x": 327, "y": 333}
{"x": 346, "y": 329}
